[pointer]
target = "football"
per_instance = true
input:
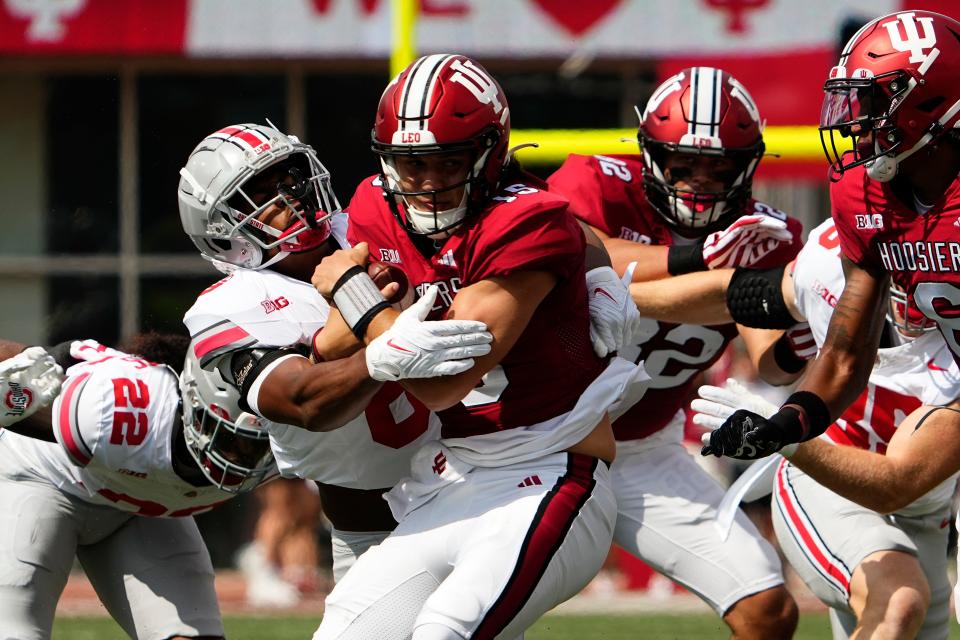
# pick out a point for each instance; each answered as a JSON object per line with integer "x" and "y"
{"x": 383, "y": 274}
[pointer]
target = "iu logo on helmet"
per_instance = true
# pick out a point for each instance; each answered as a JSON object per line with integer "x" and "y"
{"x": 477, "y": 82}
{"x": 913, "y": 42}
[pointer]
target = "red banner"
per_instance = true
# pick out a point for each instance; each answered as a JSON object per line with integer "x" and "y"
{"x": 126, "y": 27}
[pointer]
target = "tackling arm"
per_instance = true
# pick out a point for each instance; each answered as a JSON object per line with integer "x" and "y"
{"x": 840, "y": 371}
{"x": 316, "y": 397}
{"x": 9, "y": 348}
{"x": 916, "y": 461}
{"x": 693, "y": 298}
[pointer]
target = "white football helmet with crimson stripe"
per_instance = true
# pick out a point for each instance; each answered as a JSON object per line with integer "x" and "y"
{"x": 220, "y": 199}
{"x": 230, "y": 446}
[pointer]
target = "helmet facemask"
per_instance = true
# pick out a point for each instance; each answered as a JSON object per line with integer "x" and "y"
{"x": 302, "y": 186}
{"x": 436, "y": 222}
{"x": 695, "y": 213}
{"x": 904, "y": 314}
{"x": 221, "y": 197}
{"x": 230, "y": 447}
{"x": 855, "y": 108}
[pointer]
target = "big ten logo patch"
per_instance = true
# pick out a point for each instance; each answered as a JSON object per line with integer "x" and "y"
{"x": 390, "y": 255}
{"x": 634, "y": 236}
{"x": 869, "y": 221}
{"x": 269, "y": 306}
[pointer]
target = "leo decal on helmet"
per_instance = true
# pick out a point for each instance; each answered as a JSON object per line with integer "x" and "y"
{"x": 892, "y": 93}
{"x": 700, "y": 111}
{"x": 237, "y": 173}
{"x": 442, "y": 103}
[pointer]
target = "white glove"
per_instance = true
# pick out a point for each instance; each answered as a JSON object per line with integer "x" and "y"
{"x": 28, "y": 381}
{"x": 745, "y": 242}
{"x": 716, "y": 404}
{"x": 414, "y": 348}
{"x": 613, "y": 315}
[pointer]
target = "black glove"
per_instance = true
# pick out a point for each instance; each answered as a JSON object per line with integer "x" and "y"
{"x": 748, "y": 436}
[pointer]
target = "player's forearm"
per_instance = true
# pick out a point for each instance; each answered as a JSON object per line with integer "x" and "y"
{"x": 319, "y": 397}
{"x": 336, "y": 340}
{"x": 840, "y": 371}
{"x": 867, "y": 478}
{"x": 761, "y": 347}
{"x": 693, "y": 298}
{"x": 38, "y": 426}
{"x": 9, "y": 348}
{"x": 651, "y": 260}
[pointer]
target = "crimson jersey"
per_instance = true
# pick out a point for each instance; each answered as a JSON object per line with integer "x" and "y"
{"x": 607, "y": 193}
{"x": 523, "y": 229}
{"x": 920, "y": 252}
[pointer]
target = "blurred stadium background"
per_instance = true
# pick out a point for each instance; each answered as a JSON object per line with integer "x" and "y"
{"x": 102, "y": 100}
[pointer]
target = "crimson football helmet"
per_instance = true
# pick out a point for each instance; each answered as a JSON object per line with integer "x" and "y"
{"x": 704, "y": 112}
{"x": 893, "y": 92}
{"x": 442, "y": 103}
{"x": 236, "y": 173}
{"x": 230, "y": 446}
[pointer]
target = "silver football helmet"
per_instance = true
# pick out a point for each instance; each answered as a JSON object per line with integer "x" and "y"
{"x": 220, "y": 201}
{"x": 230, "y": 445}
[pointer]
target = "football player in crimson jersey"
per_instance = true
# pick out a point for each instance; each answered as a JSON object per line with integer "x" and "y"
{"x": 881, "y": 576}
{"x": 111, "y": 474}
{"x": 895, "y": 201}
{"x": 511, "y": 512}
{"x": 684, "y": 205}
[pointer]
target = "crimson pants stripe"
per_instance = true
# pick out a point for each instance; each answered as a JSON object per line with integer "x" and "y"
{"x": 557, "y": 512}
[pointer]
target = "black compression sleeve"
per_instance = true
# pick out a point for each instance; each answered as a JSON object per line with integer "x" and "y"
{"x": 61, "y": 354}
{"x": 685, "y": 259}
{"x": 755, "y": 299}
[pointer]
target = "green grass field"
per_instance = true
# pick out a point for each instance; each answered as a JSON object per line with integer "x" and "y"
{"x": 553, "y": 627}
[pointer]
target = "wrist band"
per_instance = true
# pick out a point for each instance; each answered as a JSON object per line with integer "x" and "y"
{"x": 785, "y": 357}
{"x": 685, "y": 259}
{"x": 812, "y": 414}
{"x": 358, "y": 299}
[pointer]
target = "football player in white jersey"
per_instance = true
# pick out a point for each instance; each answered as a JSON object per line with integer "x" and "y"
{"x": 880, "y": 566}
{"x": 111, "y": 474}
{"x": 259, "y": 205}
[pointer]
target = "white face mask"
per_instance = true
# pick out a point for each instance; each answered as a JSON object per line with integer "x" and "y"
{"x": 428, "y": 221}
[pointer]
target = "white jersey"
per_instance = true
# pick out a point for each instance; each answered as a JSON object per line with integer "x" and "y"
{"x": 921, "y": 371}
{"x": 266, "y": 309}
{"x": 115, "y": 422}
